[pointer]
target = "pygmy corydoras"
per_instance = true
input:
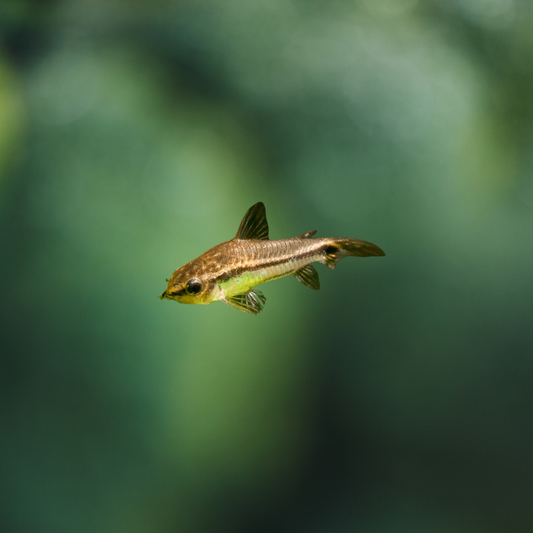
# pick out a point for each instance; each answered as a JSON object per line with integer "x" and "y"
{"x": 230, "y": 271}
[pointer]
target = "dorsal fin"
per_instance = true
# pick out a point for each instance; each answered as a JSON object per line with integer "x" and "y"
{"x": 254, "y": 225}
{"x": 306, "y": 235}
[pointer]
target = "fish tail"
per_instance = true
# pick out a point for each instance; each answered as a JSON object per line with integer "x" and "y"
{"x": 336, "y": 249}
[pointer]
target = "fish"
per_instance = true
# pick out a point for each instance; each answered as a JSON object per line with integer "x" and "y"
{"x": 229, "y": 271}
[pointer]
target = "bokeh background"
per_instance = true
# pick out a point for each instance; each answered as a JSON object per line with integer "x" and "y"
{"x": 134, "y": 136}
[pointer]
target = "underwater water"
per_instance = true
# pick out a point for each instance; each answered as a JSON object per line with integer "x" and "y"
{"x": 135, "y": 137}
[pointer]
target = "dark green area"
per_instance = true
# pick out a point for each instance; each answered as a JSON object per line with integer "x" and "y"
{"x": 134, "y": 136}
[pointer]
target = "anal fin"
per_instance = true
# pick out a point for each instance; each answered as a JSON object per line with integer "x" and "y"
{"x": 308, "y": 276}
{"x": 249, "y": 302}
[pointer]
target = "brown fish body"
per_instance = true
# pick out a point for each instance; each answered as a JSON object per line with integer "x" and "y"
{"x": 230, "y": 270}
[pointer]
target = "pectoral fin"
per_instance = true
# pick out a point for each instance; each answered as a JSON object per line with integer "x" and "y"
{"x": 308, "y": 276}
{"x": 250, "y": 302}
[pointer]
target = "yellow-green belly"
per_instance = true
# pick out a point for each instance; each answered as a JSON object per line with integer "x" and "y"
{"x": 249, "y": 279}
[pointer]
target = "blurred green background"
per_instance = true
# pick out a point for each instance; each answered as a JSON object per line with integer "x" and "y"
{"x": 134, "y": 136}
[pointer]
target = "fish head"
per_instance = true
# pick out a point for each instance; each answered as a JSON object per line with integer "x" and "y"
{"x": 189, "y": 285}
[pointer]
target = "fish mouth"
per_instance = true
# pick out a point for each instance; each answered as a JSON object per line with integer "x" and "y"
{"x": 169, "y": 295}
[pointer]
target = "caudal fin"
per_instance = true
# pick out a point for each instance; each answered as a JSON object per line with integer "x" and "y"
{"x": 339, "y": 248}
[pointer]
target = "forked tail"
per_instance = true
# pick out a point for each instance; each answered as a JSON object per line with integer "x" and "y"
{"x": 343, "y": 247}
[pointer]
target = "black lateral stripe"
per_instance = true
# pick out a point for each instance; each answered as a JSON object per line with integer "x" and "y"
{"x": 235, "y": 272}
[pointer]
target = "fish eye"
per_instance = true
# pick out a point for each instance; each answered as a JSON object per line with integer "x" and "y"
{"x": 194, "y": 286}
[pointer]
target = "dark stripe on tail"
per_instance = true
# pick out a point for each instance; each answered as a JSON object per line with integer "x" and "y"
{"x": 339, "y": 248}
